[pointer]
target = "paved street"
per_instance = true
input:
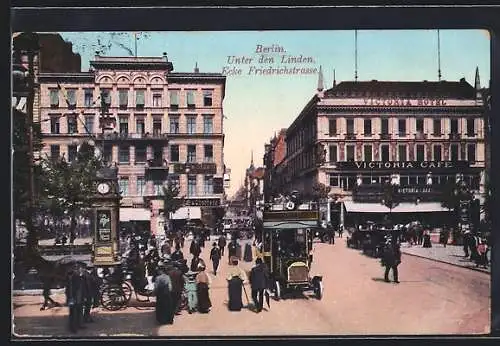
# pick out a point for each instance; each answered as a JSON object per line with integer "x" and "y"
{"x": 432, "y": 298}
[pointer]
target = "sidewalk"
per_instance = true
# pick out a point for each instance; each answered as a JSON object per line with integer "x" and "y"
{"x": 451, "y": 254}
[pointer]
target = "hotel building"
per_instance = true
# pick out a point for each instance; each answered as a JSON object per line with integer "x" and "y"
{"x": 417, "y": 135}
{"x": 168, "y": 126}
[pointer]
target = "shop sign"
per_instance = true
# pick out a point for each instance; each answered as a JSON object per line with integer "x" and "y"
{"x": 403, "y": 102}
{"x": 195, "y": 168}
{"x": 374, "y": 165}
{"x": 202, "y": 202}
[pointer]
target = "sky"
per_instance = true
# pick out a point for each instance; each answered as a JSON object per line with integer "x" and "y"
{"x": 258, "y": 105}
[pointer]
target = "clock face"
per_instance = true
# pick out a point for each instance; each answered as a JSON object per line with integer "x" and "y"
{"x": 103, "y": 188}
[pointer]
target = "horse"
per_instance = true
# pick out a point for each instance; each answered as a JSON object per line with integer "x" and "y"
{"x": 49, "y": 272}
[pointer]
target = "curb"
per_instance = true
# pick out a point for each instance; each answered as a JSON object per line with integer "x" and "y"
{"x": 450, "y": 263}
{"x": 36, "y": 292}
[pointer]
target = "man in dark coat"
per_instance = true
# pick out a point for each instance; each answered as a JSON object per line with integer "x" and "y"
{"x": 177, "y": 255}
{"x": 195, "y": 249}
{"x": 222, "y": 244}
{"x": 177, "y": 278}
{"x": 259, "y": 279}
{"x": 232, "y": 249}
{"x": 391, "y": 258}
{"x": 92, "y": 292}
{"x": 163, "y": 286}
{"x": 75, "y": 296}
{"x": 215, "y": 257}
{"x": 247, "y": 255}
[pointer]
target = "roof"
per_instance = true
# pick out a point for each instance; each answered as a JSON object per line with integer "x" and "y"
{"x": 461, "y": 89}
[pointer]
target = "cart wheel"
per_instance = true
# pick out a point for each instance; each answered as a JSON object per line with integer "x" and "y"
{"x": 113, "y": 298}
{"x": 325, "y": 238}
{"x": 127, "y": 291}
{"x": 277, "y": 290}
{"x": 318, "y": 289}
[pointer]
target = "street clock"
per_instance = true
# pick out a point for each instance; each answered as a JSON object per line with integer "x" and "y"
{"x": 103, "y": 188}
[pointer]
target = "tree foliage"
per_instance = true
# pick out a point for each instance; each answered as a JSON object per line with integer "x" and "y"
{"x": 390, "y": 195}
{"x": 320, "y": 191}
{"x": 171, "y": 200}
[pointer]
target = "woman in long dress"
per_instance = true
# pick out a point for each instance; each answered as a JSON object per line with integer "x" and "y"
{"x": 163, "y": 307}
{"x": 236, "y": 279}
{"x": 202, "y": 289}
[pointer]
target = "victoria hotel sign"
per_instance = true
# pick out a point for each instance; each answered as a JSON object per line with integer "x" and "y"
{"x": 372, "y": 165}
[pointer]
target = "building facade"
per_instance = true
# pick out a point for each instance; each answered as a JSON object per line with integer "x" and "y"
{"x": 419, "y": 136}
{"x": 254, "y": 188}
{"x": 167, "y": 126}
{"x": 275, "y": 166}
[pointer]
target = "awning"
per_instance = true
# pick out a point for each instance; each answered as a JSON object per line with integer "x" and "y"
{"x": 184, "y": 213}
{"x": 400, "y": 208}
{"x": 134, "y": 214}
{"x": 290, "y": 224}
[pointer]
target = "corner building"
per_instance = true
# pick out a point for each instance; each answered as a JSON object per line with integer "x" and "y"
{"x": 168, "y": 126}
{"x": 418, "y": 135}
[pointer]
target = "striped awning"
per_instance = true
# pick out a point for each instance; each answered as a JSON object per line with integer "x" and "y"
{"x": 426, "y": 207}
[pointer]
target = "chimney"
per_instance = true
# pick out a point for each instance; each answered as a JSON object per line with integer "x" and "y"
{"x": 196, "y": 69}
{"x": 165, "y": 56}
{"x": 320, "y": 79}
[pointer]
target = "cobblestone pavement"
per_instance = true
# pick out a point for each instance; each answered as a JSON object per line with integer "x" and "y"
{"x": 432, "y": 298}
{"x": 452, "y": 254}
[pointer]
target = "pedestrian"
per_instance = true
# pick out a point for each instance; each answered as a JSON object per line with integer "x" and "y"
{"x": 75, "y": 295}
{"x": 195, "y": 248}
{"x": 163, "y": 306}
{"x": 247, "y": 256}
{"x": 202, "y": 288}
{"x": 236, "y": 279}
{"x": 331, "y": 233}
{"x": 466, "y": 243}
{"x": 222, "y": 244}
{"x": 92, "y": 292}
{"x": 474, "y": 255}
{"x": 231, "y": 249}
{"x": 238, "y": 250}
{"x": 391, "y": 258}
{"x": 427, "y": 240}
{"x": 259, "y": 281}
{"x": 177, "y": 255}
{"x": 177, "y": 279}
{"x": 191, "y": 291}
{"x": 215, "y": 257}
{"x": 195, "y": 263}
{"x": 482, "y": 250}
{"x": 445, "y": 236}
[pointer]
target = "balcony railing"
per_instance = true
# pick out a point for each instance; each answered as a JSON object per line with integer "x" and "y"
{"x": 127, "y": 135}
{"x": 385, "y": 136}
{"x": 454, "y": 136}
{"x": 420, "y": 135}
{"x": 350, "y": 136}
{"x": 157, "y": 164}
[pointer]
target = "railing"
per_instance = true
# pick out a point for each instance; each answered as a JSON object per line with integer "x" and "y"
{"x": 350, "y": 136}
{"x": 157, "y": 163}
{"x": 128, "y": 135}
{"x": 420, "y": 135}
{"x": 454, "y": 136}
{"x": 385, "y": 136}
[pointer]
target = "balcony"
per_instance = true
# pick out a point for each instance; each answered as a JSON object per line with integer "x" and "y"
{"x": 157, "y": 164}
{"x": 454, "y": 136}
{"x": 350, "y": 136}
{"x": 420, "y": 135}
{"x": 127, "y": 135}
{"x": 385, "y": 136}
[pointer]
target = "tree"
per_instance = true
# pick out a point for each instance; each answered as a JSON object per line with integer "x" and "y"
{"x": 320, "y": 191}
{"x": 390, "y": 198}
{"x": 171, "y": 200}
{"x": 69, "y": 187}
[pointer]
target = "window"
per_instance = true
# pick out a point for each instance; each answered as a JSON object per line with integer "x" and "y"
{"x": 207, "y": 98}
{"x": 174, "y": 124}
{"x": 157, "y": 100}
{"x": 208, "y": 185}
{"x": 141, "y": 186}
{"x": 139, "y": 99}
{"x": 334, "y": 180}
{"x": 89, "y": 97}
{"x": 420, "y": 152}
{"x": 402, "y": 152}
{"x": 175, "y": 180}
{"x": 436, "y": 152}
{"x": 124, "y": 152}
{"x": 454, "y": 152}
{"x": 191, "y": 153}
{"x": 209, "y": 153}
{"x": 123, "y": 126}
{"x": 123, "y": 98}
{"x": 106, "y": 95}
{"x": 437, "y": 127}
{"x": 350, "y": 126}
{"x": 454, "y": 126}
{"x": 108, "y": 153}
{"x": 72, "y": 128}
{"x": 349, "y": 149}
{"x": 471, "y": 128}
{"x": 384, "y": 152}
{"x": 367, "y": 127}
{"x": 140, "y": 153}
{"x": 89, "y": 124}
{"x": 123, "y": 186}
{"x": 54, "y": 98}
{"x": 332, "y": 153}
{"x": 72, "y": 152}
{"x": 156, "y": 126}
{"x": 191, "y": 186}
{"x": 174, "y": 153}
{"x": 139, "y": 126}
{"x": 54, "y": 125}
{"x": 71, "y": 98}
{"x": 174, "y": 98}
{"x": 208, "y": 124}
{"x": 420, "y": 125}
{"x": 332, "y": 127}
{"x": 158, "y": 187}
{"x": 55, "y": 152}
{"x": 191, "y": 124}
{"x": 471, "y": 152}
{"x": 368, "y": 152}
{"x": 402, "y": 127}
{"x": 385, "y": 127}
{"x": 190, "y": 98}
